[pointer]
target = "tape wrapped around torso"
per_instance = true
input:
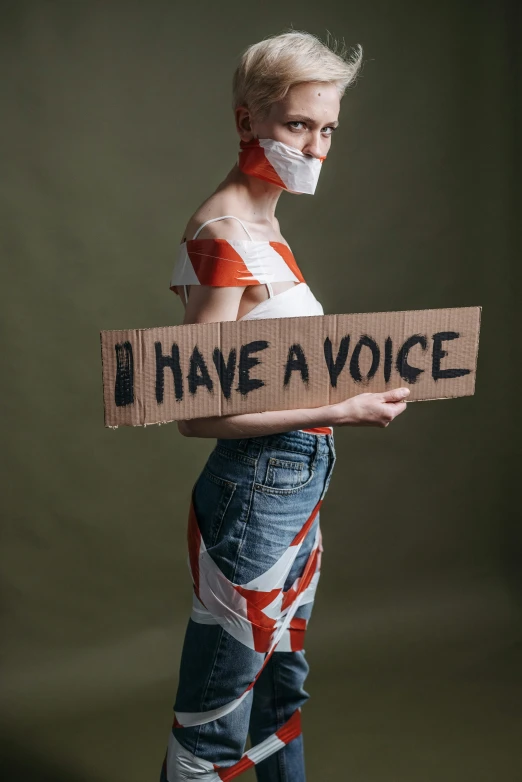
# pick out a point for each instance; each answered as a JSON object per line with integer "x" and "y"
{"x": 241, "y": 262}
{"x": 234, "y": 263}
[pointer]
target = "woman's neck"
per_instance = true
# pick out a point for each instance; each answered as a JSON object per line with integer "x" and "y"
{"x": 256, "y": 196}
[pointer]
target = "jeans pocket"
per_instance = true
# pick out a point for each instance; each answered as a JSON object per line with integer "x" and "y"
{"x": 285, "y": 475}
{"x": 212, "y": 495}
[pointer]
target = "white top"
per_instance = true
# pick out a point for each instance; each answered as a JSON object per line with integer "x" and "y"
{"x": 291, "y": 303}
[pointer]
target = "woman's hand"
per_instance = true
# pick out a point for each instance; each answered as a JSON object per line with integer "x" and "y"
{"x": 371, "y": 409}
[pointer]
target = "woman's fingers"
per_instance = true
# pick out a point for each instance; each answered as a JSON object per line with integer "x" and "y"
{"x": 395, "y": 402}
{"x": 371, "y": 409}
{"x": 395, "y": 394}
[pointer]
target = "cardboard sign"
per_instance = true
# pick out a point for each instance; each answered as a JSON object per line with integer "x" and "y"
{"x": 156, "y": 375}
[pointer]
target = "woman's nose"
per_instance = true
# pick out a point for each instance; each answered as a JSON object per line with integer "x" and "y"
{"x": 315, "y": 148}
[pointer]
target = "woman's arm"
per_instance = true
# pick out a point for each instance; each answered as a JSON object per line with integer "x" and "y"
{"x": 258, "y": 424}
{"x": 367, "y": 409}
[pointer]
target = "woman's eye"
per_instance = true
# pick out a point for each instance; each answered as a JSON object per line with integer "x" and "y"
{"x": 295, "y": 122}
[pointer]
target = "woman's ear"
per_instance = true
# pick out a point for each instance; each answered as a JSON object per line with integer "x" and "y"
{"x": 243, "y": 126}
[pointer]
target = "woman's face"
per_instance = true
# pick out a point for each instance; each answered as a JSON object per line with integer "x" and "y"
{"x": 304, "y": 119}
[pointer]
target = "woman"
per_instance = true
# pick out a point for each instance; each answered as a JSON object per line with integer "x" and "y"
{"x": 254, "y": 536}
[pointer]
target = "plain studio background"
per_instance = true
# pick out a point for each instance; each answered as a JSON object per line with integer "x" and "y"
{"x": 116, "y": 123}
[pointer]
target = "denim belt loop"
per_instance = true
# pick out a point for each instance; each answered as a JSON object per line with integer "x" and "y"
{"x": 250, "y": 446}
{"x": 243, "y": 445}
{"x": 316, "y": 450}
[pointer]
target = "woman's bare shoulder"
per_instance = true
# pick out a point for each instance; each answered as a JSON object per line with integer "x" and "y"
{"x": 228, "y": 228}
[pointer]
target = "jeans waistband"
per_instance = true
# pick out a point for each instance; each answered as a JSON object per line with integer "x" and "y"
{"x": 297, "y": 441}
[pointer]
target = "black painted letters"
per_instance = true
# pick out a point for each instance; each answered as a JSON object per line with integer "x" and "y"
{"x": 226, "y": 371}
{"x": 436, "y": 372}
{"x": 405, "y": 370}
{"x": 124, "y": 384}
{"x": 335, "y": 368}
{"x": 246, "y": 362}
{"x": 355, "y": 370}
{"x": 173, "y": 362}
{"x": 198, "y": 373}
{"x": 296, "y": 361}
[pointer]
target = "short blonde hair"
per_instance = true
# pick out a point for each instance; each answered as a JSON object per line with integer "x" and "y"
{"x": 269, "y": 68}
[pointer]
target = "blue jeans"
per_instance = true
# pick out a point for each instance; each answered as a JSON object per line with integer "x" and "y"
{"x": 251, "y": 499}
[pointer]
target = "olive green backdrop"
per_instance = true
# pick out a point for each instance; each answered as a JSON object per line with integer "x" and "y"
{"x": 115, "y": 125}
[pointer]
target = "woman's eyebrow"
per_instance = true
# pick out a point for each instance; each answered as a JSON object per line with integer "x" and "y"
{"x": 301, "y": 118}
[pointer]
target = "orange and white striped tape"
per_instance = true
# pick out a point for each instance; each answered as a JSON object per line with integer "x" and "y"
{"x": 261, "y": 615}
